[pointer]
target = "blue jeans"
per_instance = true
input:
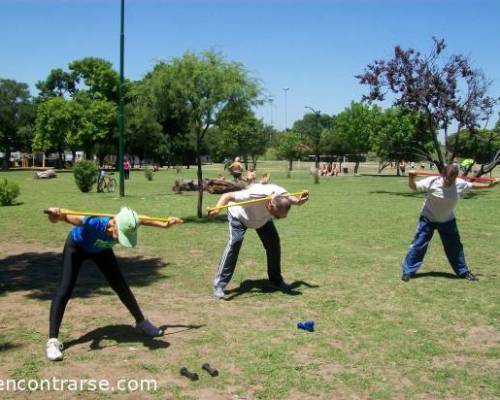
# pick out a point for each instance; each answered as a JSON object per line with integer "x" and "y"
{"x": 451, "y": 243}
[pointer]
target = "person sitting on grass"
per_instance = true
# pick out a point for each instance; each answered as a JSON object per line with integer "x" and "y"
{"x": 442, "y": 194}
{"x": 258, "y": 216}
{"x": 93, "y": 238}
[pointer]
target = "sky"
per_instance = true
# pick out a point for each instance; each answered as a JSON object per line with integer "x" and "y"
{"x": 312, "y": 47}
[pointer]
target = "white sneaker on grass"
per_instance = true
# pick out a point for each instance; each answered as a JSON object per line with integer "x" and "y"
{"x": 219, "y": 293}
{"x": 54, "y": 350}
{"x": 149, "y": 329}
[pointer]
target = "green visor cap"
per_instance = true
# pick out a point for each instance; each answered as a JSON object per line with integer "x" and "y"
{"x": 127, "y": 222}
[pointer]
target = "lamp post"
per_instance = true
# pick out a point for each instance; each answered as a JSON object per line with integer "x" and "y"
{"x": 286, "y": 122}
{"x": 317, "y": 113}
{"x": 120, "y": 104}
{"x": 271, "y": 104}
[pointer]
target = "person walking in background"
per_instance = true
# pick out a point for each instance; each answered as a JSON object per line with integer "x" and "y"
{"x": 236, "y": 169}
{"x": 126, "y": 169}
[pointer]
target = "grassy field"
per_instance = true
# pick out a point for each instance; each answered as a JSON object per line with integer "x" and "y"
{"x": 376, "y": 337}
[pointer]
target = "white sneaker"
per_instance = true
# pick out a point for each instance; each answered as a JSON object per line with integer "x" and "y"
{"x": 219, "y": 293}
{"x": 149, "y": 329}
{"x": 54, "y": 350}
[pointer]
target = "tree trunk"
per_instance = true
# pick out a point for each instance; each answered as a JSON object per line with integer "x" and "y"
{"x": 290, "y": 164}
{"x": 356, "y": 167}
{"x": 60, "y": 159}
{"x": 382, "y": 165}
{"x": 6, "y": 159}
{"x": 490, "y": 166}
{"x": 200, "y": 180}
{"x": 398, "y": 172}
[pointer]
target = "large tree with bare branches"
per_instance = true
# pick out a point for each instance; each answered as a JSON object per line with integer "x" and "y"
{"x": 448, "y": 94}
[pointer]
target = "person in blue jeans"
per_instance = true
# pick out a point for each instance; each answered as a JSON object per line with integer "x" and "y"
{"x": 93, "y": 238}
{"x": 442, "y": 194}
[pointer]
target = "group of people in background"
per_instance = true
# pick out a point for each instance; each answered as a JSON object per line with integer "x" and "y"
{"x": 330, "y": 169}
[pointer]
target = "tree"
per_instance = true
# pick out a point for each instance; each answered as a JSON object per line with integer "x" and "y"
{"x": 354, "y": 127}
{"x": 97, "y": 123}
{"x": 97, "y": 77}
{"x": 16, "y": 118}
{"x": 241, "y": 133}
{"x": 91, "y": 89}
{"x": 144, "y": 136}
{"x": 290, "y": 147}
{"x": 58, "y": 83}
{"x": 446, "y": 93}
{"x": 395, "y": 138}
{"x": 56, "y": 122}
{"x": 314, "y": 129}
{"x": 197, "y": 88}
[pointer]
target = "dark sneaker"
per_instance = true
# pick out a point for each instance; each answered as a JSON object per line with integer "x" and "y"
{"x": 469, "y": 276}
{"x": 405, "y": 277}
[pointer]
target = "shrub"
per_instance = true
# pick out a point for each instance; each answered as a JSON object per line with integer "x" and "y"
{"x": 148, "y": 173}
{"x": 85, "y": 173}
{"x": 8, "y": 192}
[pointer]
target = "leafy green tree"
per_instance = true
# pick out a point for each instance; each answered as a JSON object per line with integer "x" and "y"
{"x": 96, "y": 125}
{"x": 16, "y": 118}
{"x": 97, "y": 77}
{"x": 354, "y": 127}
{"x": 91, "y": 89}
{"x": 242, "y": 134}
{"x": 197, "y": 88}
{"x": 290, "y": 147}
{"x": 58, "y": 83}
{"x": 395, "y": 138}
{"x": 56, "y": 122}
{"x": 314, "y": 129}
{"x": 144, "y": 136}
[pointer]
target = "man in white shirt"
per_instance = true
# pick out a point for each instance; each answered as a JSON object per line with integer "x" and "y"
{"x": 442, "y": 194}
{"x": 258, "y": 216}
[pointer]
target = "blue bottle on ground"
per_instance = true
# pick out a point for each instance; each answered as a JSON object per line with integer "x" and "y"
{"x": 307, "y": 326}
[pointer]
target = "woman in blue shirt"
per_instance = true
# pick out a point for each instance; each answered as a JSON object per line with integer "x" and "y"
{"x": 94, "y": 238}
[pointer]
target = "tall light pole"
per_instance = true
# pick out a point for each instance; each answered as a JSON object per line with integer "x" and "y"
{"x": 317, "y": 113}
{"x": 286, "y": 122}
{"x": 120, "y": 104}
{"x": 271, "y": 104}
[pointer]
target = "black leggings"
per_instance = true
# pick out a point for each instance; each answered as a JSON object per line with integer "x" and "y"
{"x": 73, "y": 257}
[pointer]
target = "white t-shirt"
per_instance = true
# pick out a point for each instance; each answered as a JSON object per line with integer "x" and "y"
{"x": 440, "y": 200}
{"x": 254, "y": 215}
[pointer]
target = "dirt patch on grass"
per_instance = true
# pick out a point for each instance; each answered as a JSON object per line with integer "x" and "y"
{"x": 482, "y": 338}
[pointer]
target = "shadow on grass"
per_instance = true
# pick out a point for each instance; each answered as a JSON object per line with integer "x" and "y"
{"x": 38, "y": 274}
{"x": 384, "y": 176}
{"x": 264, "y": 286}
{"x": 403, "y": 194}
{"x": 9, "y": 346}
{"x": 119, "y": 334}
{"x": 167, "y": 328}
{"x": 436, "y": 274}
{"x": 221, "y": 218}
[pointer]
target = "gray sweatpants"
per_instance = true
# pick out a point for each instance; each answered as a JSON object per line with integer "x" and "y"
{"x": 269, "y": 238}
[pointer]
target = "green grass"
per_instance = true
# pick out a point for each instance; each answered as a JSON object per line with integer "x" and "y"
{"x": 376, "y": 337}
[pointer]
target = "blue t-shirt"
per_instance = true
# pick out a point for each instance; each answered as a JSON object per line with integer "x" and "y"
{"x": 91, "y": 234}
